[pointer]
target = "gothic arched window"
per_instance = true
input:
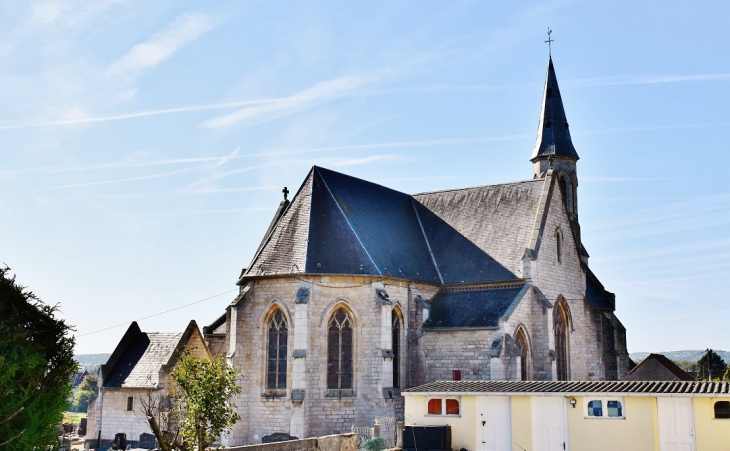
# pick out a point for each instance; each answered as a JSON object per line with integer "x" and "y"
{"x": 395, "y": 346}
{"x": 523, "y": 344}
{"x": 339, "y": 350}
{"x": 561, "y": 324}
{"x": 559, "y": 245}
{"x": 276, "y": 358}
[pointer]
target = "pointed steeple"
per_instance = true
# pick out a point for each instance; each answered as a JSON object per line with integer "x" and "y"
{"x": 553, "y": 135}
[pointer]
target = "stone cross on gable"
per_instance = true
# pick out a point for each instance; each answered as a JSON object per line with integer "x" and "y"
{"x": 285, "y": 191}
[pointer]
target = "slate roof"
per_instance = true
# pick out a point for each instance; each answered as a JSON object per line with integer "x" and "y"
{"x": 596, "y": 294}
{"x": 576, "y": 387}
{"x": 666, "y": 363}
{"x": 553, "y": 134}
{"x": 481, "y": 233}
{"x": 480, "y": 308}
{"x": 140, "y": 366}
{"x": 140, "y": 356}
{"x": 338, "y": 224}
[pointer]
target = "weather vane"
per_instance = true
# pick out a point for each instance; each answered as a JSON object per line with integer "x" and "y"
{"x": 550, "y": 41}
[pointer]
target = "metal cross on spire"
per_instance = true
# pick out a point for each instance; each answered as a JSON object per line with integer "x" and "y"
{"x": 550, "y": 41}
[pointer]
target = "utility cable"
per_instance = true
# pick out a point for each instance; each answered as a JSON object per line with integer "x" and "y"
{"x": 158, "y": 314}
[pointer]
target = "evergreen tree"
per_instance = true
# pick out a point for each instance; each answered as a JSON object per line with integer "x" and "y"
{"x": 36, "y": 368}
{"x": 711, "y": 364}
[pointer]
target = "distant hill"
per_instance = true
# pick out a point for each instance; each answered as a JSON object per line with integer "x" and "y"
{"x": 91, "y": 360}
{"x": 689, "y": 356}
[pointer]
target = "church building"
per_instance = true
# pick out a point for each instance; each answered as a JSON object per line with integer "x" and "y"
{"x": 358, "y": 291}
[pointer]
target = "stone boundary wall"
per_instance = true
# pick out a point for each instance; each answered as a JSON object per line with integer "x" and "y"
{"x": 341, "y": 442}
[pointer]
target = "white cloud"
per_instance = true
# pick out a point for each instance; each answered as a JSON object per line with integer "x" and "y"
{"x": 182, "y": 31}
{"x": 321, "y": 92}
{"x": 65, "y": 13}
{"x": 228, "y": 157}
{"x": 130, "y": 179}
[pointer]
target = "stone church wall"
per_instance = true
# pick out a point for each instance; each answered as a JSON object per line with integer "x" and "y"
{"x": 319, "y": 411}
{"x": 593, "y": 347}
{"x": 463, "y": 350}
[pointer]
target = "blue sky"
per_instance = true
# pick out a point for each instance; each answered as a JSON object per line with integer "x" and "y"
{"x": 144, "y": 145}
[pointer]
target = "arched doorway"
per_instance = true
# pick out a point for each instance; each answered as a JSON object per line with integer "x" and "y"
{"x": 523, "y": 343}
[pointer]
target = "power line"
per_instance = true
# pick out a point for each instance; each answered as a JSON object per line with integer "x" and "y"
{"x": 158, "y": 314}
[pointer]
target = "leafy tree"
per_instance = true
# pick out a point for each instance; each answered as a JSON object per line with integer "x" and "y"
{"x": 88, "y": 391}
{"x": 711, "y": 364}
{"x": 726, "y": 376}
{"x": 199, "y": 411}
{"x": 36, "y": 365}
{"x": 686, "y": 365}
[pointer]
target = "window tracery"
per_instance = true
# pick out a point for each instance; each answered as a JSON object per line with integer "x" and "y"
{"x": 339, "y": 350}
{"x": 277, "y": 350}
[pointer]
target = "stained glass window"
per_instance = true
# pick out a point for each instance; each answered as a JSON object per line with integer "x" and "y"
{"x": 276, "y": 363}
{"x": 339, "y": 350}
{"x": 595, "y": 409}
{"x": 614, "y": 409}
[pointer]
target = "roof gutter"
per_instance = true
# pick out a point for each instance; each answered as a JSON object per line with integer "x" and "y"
{"x": 563, "y": 394}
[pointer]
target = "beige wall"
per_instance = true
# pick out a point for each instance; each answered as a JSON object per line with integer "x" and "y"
{"x": 463, "y": 427}
{"x": 636, "y": 431}
{"x": 711, "y": 434}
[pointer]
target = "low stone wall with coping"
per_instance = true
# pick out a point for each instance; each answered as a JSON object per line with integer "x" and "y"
{"x": 340, "y": 442}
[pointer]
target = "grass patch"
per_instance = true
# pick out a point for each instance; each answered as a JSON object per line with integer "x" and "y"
{"x": 73, "y": 417}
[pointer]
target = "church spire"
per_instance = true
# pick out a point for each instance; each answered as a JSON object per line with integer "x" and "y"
{"x": 553, "y": 135}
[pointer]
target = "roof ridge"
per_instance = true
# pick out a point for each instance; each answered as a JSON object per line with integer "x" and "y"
{"x": 477, "y": 186}
{"x": 349, "y": 224}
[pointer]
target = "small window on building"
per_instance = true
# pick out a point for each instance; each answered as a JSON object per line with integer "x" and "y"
{"x": 559, "y": 246}
{"x": 452, "y": 407}
{"x": 456, "y": 375}
{"x": 434, "y": 406}
{"x": 444, "y": 406}
{"x": 130, "y": 403}
{"x": 614, "y": 409}
{"x": 722, "y": 410}
{"x": 595, "y": 409}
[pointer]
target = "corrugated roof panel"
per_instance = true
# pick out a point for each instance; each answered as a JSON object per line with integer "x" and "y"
{"x": 648, "y": 387}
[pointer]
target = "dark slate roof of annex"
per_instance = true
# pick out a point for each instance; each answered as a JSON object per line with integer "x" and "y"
{"x": 338, "y": 224}
{"x": 472, "y": 308}
{"x": 139, "y": 366}
{"x": 576, "y": 387}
